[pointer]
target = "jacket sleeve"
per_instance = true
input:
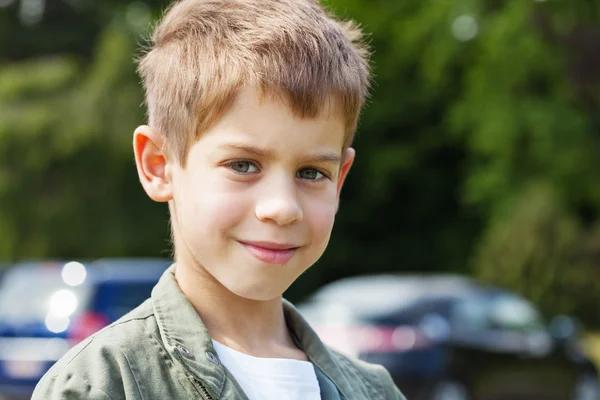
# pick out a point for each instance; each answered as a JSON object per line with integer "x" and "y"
{"x": 94, "y": 370}
{"x": 389, "y": 387}
{"x": 66, "y": 386}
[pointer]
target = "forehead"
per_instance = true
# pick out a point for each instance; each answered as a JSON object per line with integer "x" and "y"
{"x": 267, "y": 121}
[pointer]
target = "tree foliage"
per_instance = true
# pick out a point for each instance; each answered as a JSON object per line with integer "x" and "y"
{"x": 477, "y": 153}
{"x": 540, "y": 250}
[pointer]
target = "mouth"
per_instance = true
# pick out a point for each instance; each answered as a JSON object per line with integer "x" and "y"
{"x": 271, "y": 252}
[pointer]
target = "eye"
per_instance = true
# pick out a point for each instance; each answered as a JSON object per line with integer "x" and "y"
{"x": 243, "y": 167}
{"x": 310, "y": 174}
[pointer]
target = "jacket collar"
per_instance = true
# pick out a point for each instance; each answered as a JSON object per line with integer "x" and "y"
{"x": 184, "y": 334}
{"x": 317, "y": 352}
{"x": 186, "y": 338}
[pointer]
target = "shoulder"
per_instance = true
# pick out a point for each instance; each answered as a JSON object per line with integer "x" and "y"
{"x": 373, "y": 375}
{"x": 102, "y": 366}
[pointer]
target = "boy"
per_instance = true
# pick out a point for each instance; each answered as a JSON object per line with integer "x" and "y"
{"x": 252, "y": 107}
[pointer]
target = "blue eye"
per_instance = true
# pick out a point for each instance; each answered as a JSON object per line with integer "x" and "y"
{"x": 310, "y": 174}
{"x": 243, "y": 167}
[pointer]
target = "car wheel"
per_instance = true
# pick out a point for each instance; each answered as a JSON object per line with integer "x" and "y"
{"x": 450, "y": 390}
{"x": 587, "y": 387}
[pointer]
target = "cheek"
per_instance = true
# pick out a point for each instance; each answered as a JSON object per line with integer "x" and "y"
{"x": 215, "y": 207}
{"x": 321, "y": 216}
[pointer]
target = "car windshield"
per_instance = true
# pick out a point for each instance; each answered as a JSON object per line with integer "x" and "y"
{"x": 492, "y": 310}
{"x": 512, "y": 312}
{"x": 33, "y": 292}
{"x": 368, "y": 298}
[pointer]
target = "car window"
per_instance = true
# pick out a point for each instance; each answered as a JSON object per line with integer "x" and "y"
{"x": 511, "y": 312}
{"x": 499, "y": 311}
{"x": 34, "y": 293}
{"x": 116, "y": 298}
{"x": 470, "y": 315}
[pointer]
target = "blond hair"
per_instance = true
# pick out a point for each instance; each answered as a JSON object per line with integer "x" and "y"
{"x": 204, "y": 52}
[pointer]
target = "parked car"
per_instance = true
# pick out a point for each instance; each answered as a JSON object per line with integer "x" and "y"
{"x": 449, "y": 338}
{"x": 48, "y": 307}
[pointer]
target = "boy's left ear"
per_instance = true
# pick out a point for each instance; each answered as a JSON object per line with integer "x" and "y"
{"x": 347, "y": 161}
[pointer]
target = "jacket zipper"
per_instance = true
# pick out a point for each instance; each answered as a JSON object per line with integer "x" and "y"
{"x": 203, "y": 390}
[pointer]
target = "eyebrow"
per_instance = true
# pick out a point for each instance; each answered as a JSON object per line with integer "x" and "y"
{"x": 256, "y": 151}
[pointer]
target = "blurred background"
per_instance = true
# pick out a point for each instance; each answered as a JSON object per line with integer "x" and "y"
{"x": 478, "y": 153}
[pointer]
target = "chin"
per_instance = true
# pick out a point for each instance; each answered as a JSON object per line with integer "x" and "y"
{"x": 255, "y": 292}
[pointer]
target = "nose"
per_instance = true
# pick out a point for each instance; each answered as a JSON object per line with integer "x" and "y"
{"x": 279, "y": 203}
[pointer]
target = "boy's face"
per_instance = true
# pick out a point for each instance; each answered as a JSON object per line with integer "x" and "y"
{"x": 255, "y": 204}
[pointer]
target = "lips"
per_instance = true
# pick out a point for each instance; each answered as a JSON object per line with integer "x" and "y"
{"x": 271, "y": 252}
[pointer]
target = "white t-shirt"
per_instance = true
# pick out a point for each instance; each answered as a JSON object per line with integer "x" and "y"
{"x": 270, "y": 378}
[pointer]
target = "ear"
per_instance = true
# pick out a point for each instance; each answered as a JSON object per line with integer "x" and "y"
{"x": 347, "y": 161}
{"x": 152, "y": 163}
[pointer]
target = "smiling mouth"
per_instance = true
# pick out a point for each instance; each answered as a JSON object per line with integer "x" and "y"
{"x": 271, "y": 253}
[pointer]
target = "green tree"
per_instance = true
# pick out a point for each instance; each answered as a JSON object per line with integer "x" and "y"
{"x": 540, "y": 250}
{"x": 69, "y": 186}
{"x": 475, "y": 102}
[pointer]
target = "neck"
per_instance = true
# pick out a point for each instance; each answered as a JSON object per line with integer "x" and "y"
{"x": 254, "y": 327}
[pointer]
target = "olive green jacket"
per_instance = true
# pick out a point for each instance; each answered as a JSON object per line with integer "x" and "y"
{"x": 162, "y": 350}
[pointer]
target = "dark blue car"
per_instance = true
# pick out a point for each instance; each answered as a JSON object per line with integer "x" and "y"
{"x": 48, "y": 307}
{"x": 447, "y": 337}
